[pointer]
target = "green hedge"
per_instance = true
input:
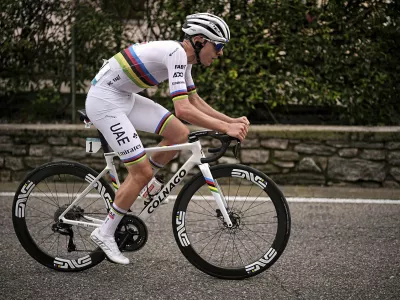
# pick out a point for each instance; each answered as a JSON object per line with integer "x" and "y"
{"x": 344, "y": 54}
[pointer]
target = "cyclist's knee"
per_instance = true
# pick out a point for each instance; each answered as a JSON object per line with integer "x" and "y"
{"x": 185, "y": 133}
{"x": 176, "y": 132}
{"x": 180, "y": 135}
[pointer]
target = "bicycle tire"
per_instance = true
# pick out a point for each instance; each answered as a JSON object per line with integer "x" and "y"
{"x": 189, "y": 204}
{"x": 45, "y": 189}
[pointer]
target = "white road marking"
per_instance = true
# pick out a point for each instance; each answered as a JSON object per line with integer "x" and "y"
{"x": 237, "y": 198}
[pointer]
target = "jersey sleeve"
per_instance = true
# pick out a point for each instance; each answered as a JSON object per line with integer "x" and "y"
{"x": 191, "y": 88}
{"x": 176, "y": 61}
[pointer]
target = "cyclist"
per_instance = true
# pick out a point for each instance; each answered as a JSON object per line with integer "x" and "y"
{"x": 116, "y": 109}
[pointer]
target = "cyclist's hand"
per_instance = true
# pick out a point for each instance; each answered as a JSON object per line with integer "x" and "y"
{"x": 238, "y": 130}
{"x": 241, "y": 120}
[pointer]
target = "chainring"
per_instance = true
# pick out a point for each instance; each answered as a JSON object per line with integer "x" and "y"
{"x": 131, "y": 233}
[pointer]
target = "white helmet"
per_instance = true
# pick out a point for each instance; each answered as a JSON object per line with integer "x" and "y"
{"x": 208, "y": 25}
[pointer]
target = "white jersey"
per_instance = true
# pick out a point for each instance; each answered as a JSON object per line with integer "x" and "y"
{"x": 143, "y": 65}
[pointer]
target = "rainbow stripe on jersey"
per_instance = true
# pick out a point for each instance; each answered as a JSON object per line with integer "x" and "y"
{"x": 191, "y": 89}
{"x": 179, "y": 95}
{"x": 134, "y": 68}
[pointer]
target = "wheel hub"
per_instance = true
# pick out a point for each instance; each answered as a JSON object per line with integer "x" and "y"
{"x": 233, "y": 216}
{"x": 75, "y": 213}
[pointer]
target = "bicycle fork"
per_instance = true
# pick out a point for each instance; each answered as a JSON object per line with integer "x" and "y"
{"x": 216, "y": 192}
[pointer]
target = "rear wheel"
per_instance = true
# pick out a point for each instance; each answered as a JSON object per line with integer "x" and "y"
{"x": 259, "y": 214}
{"x": 42, "y": 197}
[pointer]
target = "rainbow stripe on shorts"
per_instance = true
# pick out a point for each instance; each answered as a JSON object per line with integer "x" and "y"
{"x": 134, "y": 159}
{"x": 163, "y": 123}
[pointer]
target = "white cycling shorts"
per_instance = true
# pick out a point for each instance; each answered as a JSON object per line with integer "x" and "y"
{"x": 119, "y": 114}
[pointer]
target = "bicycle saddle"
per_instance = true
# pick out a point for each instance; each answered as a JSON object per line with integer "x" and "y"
{"x": 83, "y": 116}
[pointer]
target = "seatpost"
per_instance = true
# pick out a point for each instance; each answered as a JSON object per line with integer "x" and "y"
{"x": 104, "y": 144}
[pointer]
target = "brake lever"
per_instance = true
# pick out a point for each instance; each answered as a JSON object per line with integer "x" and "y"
{"x": 236, "y": 149}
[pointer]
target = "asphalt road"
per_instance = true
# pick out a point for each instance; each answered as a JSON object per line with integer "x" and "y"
{"x": 336, "y": 251}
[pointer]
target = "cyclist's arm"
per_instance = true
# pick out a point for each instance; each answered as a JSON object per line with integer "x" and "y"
{"x": 179, "y": 81}
{"x": 185, "y": 110}
{"x": 201, "y": 105}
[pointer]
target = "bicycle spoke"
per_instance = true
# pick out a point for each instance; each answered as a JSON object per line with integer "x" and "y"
{"x": 207, "y": 230}
{"x": 33, "y": 217}
{"x": 263, "y": 213}
{"x": 94, "y": 201}
{"x": 259, "y": 232}
{"x": 244, "y": 246}
{"x": 46, "y": 237}
{"x": 216, "y": 243}
{"x": 66, "y": 190}
{"x": 195, "y": 202}
{"x": 46, "y": 214}
{"x": 212, "y": 208}
{"x": 41, "y": 221}
{"x": 31, "y": 198}
{"x": 234, "y": 199}
{"x": 59, "y": 237}
{"x": 262, "y": 203}
{"x": 234, "y": 246}
{"x": 199, "y": 213}
{"x": 255, "y": 199}
{"x": 49, "y": 191}
{"x": 226, "y": 246}
{"x": 261, "y": 223}
{"x": 229, "y": 189}
{"x": 55, "y": 186}
{"x": 79, "y": 190}
{"x": 209, "y": 242}
{"x": 45, "y": 193}
{"x": 246, "y": 198}
{"x": 256, "y": 234}
{"x": 83, "y": 240}
{"x": 252, "y": 241}
{"x": 41, "y": 229}
{"x": 202, "y": 220}
{"x": 52, "y": 245}
{"x": 73, "y": 189}
{"x": 195, "y": 242}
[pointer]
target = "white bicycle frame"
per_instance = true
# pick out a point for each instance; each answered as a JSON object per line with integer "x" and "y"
{"x": 194, "y": 159}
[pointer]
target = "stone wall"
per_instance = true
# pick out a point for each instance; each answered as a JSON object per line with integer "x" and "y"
{"x": 295, "y": 155}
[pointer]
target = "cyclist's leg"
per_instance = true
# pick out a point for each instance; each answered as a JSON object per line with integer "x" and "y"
{"x": 138, "y": 175}
{"x": 108, "y": 110}
{"x": 151, "y": 117}
{"x": 121, "y": 135}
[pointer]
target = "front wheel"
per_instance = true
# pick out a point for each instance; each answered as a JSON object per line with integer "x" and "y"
{"x": 259, "y": 214}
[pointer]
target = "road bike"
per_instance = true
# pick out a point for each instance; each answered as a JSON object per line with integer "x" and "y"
{"x": 230, "y": 221}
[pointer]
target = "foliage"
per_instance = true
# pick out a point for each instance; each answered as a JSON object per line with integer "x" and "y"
{"x": 344, "y": 54}
{"x": 36, "y": 46}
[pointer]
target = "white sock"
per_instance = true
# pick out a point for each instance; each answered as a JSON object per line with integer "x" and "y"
{"x": 113, "y": 218}
{"x": 155, "y": 166}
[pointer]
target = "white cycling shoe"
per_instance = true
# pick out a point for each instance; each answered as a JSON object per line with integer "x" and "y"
{"x": 109, "y": 246}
